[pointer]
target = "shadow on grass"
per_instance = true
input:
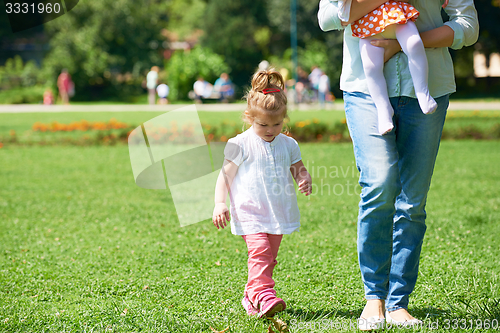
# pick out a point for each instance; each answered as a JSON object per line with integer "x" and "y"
{"x": 308, "y": 315}
{"x": 476, "y": 309}
{"x": 490, "y": 310}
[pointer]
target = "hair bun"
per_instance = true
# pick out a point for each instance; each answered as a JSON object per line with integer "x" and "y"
{"x": 267, "y": 95}
{"x": 267, "y": 79}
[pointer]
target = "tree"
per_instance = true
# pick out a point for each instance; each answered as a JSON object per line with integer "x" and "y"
{"x": 8, "y": 39}
{"x": 230, "y": 30}
{"x": 489, "y": 37}
{"x": 184, "y": 68}
{"x": 99, "y": 41}
{"x": 488, "y": 42}
{"x": 308, "y": 29}
{"x": 315, "y": 46}
{"x": 185, "y": 16}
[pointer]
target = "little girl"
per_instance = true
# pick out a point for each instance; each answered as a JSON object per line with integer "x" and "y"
{"x": 258, "y": 169}
{"x": 391, "y": 20}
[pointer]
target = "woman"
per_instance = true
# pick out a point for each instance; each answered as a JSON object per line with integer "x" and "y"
{"x": 396, "y": 169}
{"x": 64, "y": 84}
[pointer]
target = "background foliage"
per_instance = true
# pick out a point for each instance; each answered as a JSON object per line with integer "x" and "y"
{"x": 20, "y": 82}
{"x": 108, "y": 46}
{"x": 183, "y": 68}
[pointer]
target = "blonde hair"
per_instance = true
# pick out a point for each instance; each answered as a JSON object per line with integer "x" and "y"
{"x": 261, "y": 102}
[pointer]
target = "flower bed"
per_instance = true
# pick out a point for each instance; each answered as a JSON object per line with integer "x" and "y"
{"x": 458, "y": 126}
{"x": 75, "y": 133}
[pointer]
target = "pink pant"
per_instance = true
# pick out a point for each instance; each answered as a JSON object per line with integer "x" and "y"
{"x": 262, "y": 252}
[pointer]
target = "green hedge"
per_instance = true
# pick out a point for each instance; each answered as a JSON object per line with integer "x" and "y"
{"x": 22, "y": 95}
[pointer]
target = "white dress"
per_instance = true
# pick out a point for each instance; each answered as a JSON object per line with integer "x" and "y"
{"x": 263, "y": 197}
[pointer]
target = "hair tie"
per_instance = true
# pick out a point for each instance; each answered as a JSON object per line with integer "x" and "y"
{"x": 270, "y": 90}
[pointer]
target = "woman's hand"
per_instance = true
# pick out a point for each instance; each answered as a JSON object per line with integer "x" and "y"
{"x": 391, "y": 47}
{"x": 221, "y": 215}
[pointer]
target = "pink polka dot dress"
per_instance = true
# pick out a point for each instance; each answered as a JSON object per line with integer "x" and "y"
{"x": 375, "y": 22}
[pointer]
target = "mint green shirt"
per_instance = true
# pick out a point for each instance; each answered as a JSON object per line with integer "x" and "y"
{"x": 463, "y": 21}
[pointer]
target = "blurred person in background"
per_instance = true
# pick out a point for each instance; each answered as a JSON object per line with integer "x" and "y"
{"x": 163, "y": 91}
{"x": 324, "y": 90}
{"x": 224, "y": 86}
{"x": 48, "y": 97}
{"x": 202, "y": 89}
{"x": 65, "y": 86}
{"x": 302, "y": 86}
{"x": 151, "y": 82}
{"x": 263, "y": 65}
{"x": 314, "y": 80}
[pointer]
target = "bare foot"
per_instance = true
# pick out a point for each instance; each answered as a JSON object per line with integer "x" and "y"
{"x": 401, "y": 315}
{"x": 374, "y": 308}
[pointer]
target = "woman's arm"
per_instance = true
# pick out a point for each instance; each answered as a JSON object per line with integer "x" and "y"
{"x": 439, "y": 37}
{"x": 463, "y": 21}
{"x": 328, "y": 15}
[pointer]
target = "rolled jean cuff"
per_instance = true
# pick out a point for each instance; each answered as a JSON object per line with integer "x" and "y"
{"x": 372, "y": 297}
{"x": 395, "y": 308}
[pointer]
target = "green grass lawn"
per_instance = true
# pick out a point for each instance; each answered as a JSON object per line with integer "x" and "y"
{"x": 83, "y": 249}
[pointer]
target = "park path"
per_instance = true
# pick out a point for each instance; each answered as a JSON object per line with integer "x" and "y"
{"x": 240, "y": 107}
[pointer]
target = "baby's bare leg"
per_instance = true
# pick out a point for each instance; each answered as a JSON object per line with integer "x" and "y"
{"x": 409, "y": 39}
{"x": 373, "y": 65}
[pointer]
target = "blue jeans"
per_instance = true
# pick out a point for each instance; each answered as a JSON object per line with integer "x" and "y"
{"x": 321, "y": 98}
{"x": 395, "y": 175}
